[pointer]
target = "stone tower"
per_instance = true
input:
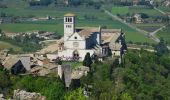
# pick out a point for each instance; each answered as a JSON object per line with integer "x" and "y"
{"x": 69, "y": 25}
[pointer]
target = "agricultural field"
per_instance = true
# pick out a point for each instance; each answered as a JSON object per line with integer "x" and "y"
{"x": 148, "y": 11}
{"x": 120, "y": 10}
{"x": 57, "y": 26}
{"x": 165, "y": 9}
{"x": 165, "y": 34}
{"x": 54, "y": 12}
{"x": 132, "y": 10}
{"x": 148, "y": 27}
{"x": 85, "y": 17}
{"x": 6, "y": 45}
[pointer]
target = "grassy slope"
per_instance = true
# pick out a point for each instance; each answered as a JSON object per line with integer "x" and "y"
{"x": 5, "y": 45}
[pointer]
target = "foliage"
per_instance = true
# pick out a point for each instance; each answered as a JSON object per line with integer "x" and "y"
{"x": 40, "y": 3}
{"x": 164, "y": 34}
{"x": 161, "y": 48}
{"x": 4, "y": 80}
{"x": 144, "y": 75}
{"x": 28, "y": 43}
{"x": 52, "y": 88}
{"x": 87, "y": 60}
{"x": 75, "y": 95}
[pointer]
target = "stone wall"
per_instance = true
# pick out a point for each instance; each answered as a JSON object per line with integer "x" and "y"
{"x": 23, "y": 95}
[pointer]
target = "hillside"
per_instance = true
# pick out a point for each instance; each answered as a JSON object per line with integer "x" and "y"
{"x": 89, "y": 17}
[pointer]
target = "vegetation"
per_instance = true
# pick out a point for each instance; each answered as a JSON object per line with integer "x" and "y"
{"x": 58, "y": 26}
{"x": 143, "y": 75}
{"x": 148, "y": 27}
{"x": 165, "y": 34}
{"x": 51, "y": 87}
{"x": 89, "y": 17}
{"x": 28, "y": 43}
{"x": 75, "y": 95}
{"x": 6, "y": 45}
{"x": 73, "y": 64}
{"x": 123, "y": 10}
{"x": 87, "y": 60}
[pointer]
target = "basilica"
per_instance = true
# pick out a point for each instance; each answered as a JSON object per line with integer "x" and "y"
{"x": 78, "y": 41}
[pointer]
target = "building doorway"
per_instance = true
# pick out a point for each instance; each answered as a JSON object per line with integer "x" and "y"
{"x": 75, "y": 55}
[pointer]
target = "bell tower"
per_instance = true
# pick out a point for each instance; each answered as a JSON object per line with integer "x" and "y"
{"x": 69, "y": 25}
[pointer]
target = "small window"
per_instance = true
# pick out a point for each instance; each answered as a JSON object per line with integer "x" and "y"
{"x": 70, "y": 19}
{"x": 66, "y": 19}
{"x": 75, "y": 37}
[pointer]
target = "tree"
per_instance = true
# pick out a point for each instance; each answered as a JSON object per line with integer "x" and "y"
{"x": 87, "y": 60}
{"x": 75, "y": 95}
{"x": 4, "y": 80}
{"x": 126, "y": 96}
{"x": 1, "y": 67}
{"x": 161, "y": 48}
{"x": 51, "y": 87}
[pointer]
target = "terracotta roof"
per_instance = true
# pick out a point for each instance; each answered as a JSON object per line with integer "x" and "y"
{"x": 87, "y": 31}
{"x": 110, "y": 38}
{"x": 10, "y": 61}
{"x": 13, "y": 59}
{"x": 69, "y": 15}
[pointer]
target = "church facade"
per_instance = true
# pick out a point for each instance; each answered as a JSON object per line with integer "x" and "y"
{"x": 78, "y": 41}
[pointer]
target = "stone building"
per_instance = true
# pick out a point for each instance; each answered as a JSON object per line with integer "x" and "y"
{"x": 80, "y": 40}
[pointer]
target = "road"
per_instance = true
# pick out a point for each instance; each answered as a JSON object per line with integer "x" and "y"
{"x": 147, "y": 34}
{"x": 160, "y": 11}
{"x": 151, "y": 34}
{"x": 123, "y": 22}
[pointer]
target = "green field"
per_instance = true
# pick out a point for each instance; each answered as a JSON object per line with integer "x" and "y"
{"x": 132, "y": 10}
{"x": 165, "y": 34}
{"x": 57, "y": 26}
{"x": 148, "y": 11}
{"x": 120, "y": 10}
{"x": 6, "y": 45}
{"x": 22, "y": 27}
{"x": 165, "y": 9}
{"x": 148, "y": 27}
{"x": 54, "y": 12}
{"x": 101, "y": 19}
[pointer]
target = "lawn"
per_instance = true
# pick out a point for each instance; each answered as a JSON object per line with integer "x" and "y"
{"x": 6, "y": 45}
